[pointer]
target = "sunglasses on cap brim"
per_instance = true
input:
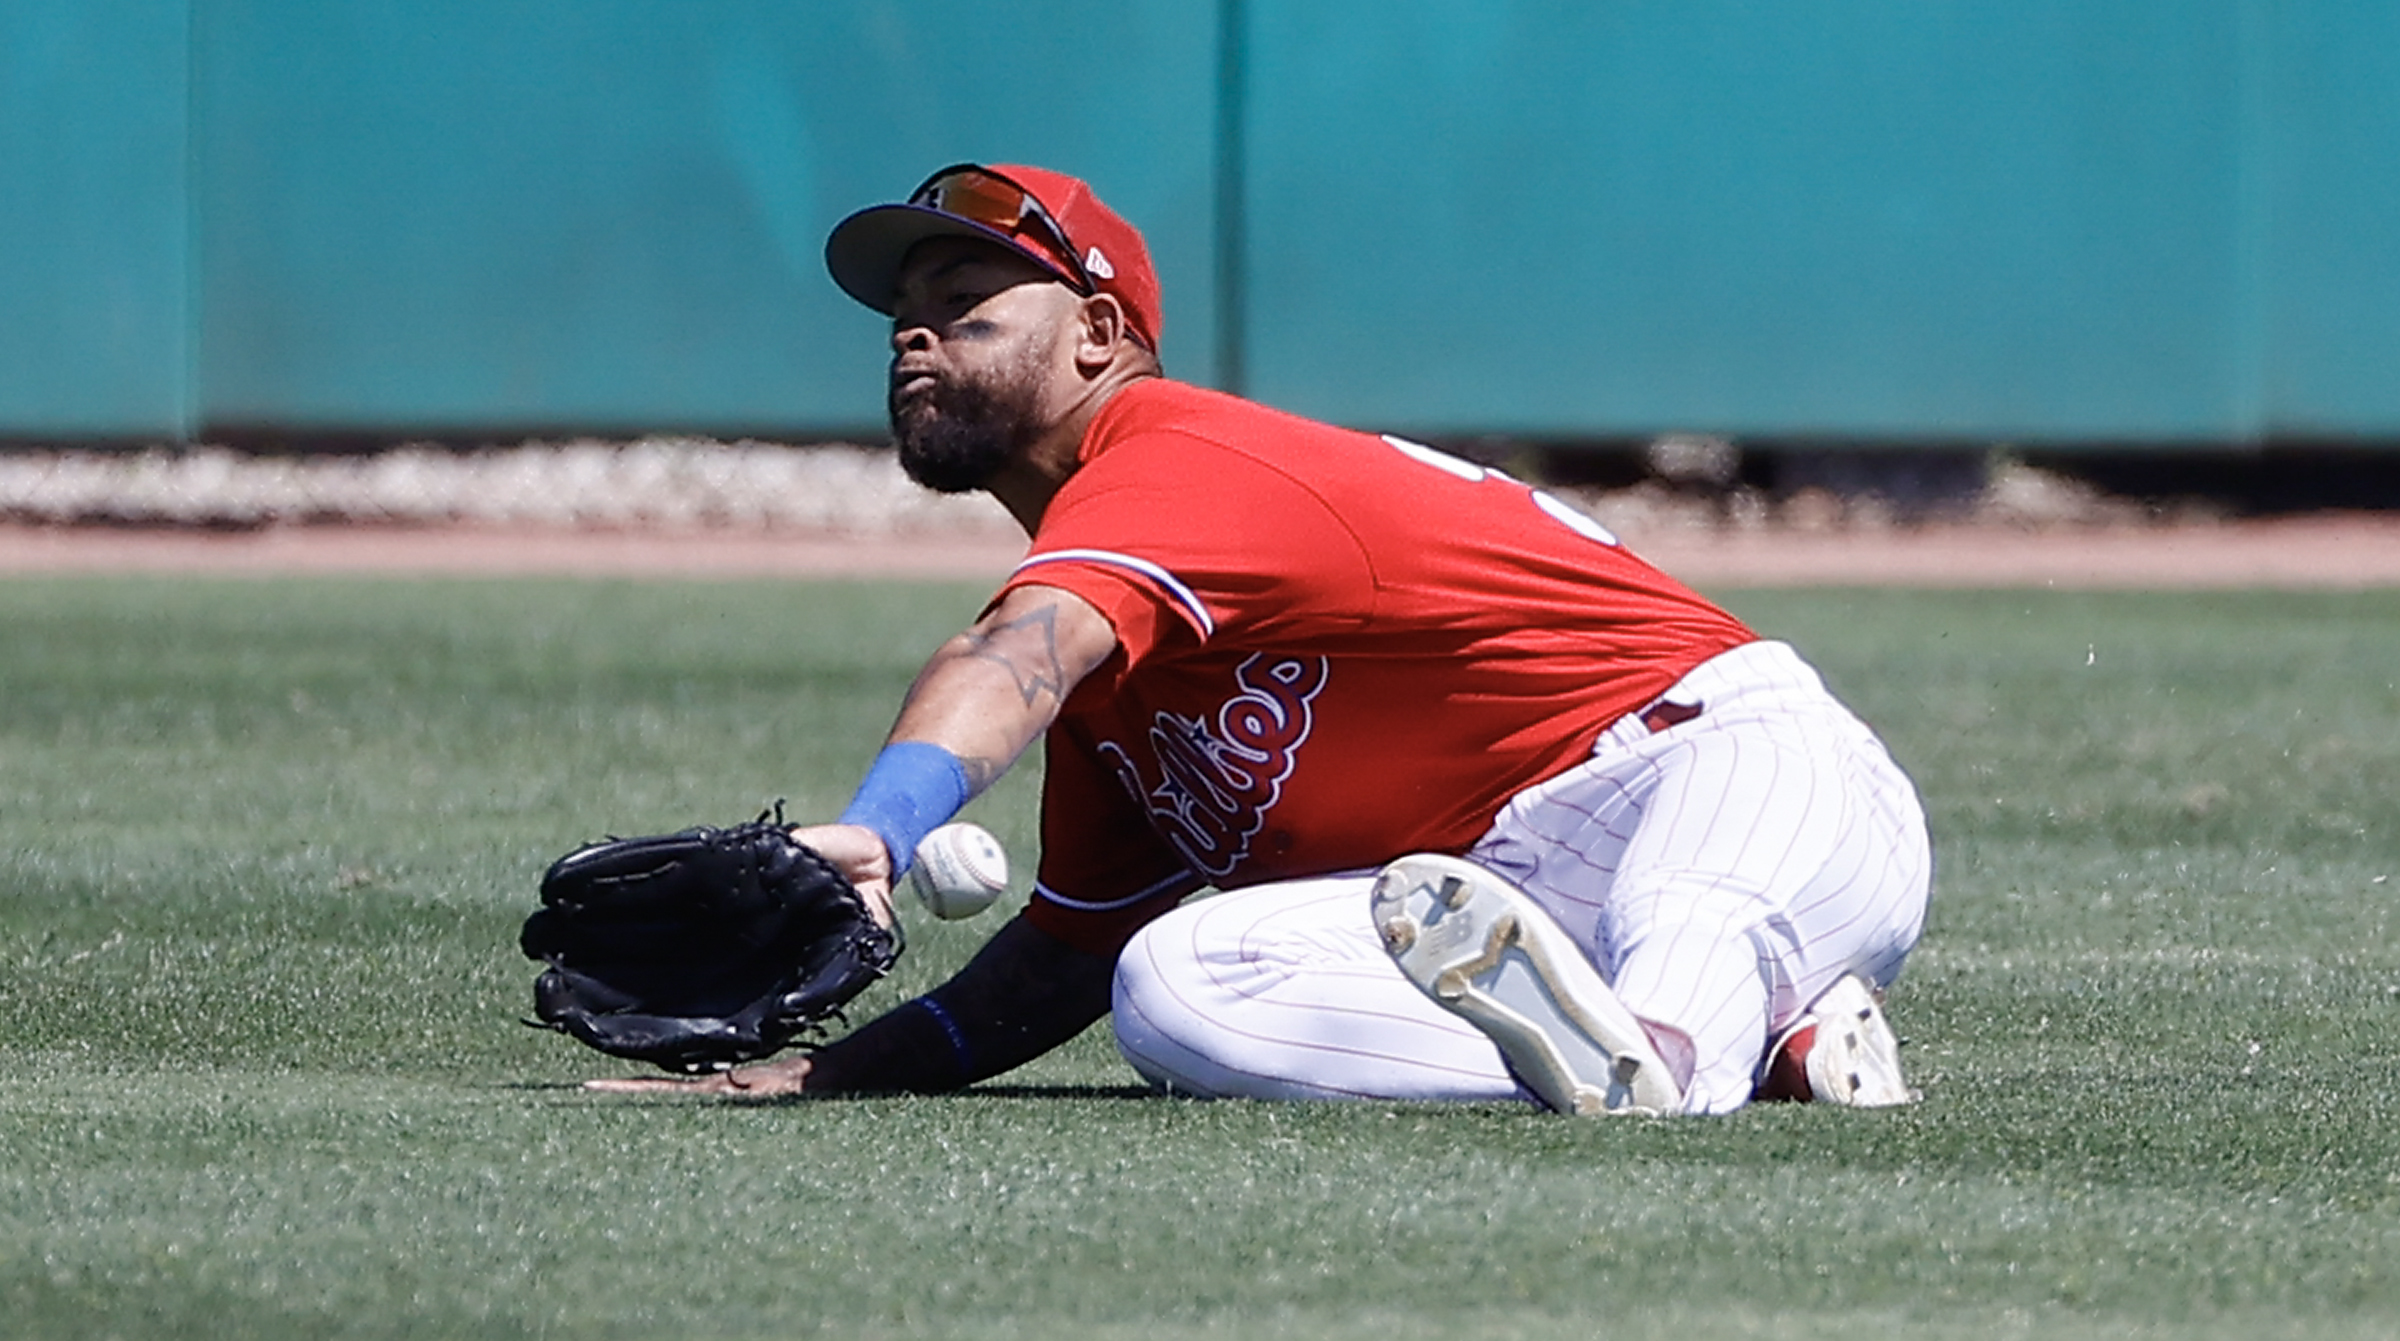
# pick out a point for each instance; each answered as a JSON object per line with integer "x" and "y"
{"x": 980, "y": 195}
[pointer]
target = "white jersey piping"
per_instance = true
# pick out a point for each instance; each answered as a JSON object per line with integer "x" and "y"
{"x": 1175, "y": 589}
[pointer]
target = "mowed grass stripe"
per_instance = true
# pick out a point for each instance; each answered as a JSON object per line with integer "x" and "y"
{"x": 267, "y": 843}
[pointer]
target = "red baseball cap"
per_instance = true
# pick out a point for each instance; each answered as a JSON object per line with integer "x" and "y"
{"x": 1048, "y": 217}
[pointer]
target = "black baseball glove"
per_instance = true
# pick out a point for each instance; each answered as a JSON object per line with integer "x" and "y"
{"x": 701, "y": 949}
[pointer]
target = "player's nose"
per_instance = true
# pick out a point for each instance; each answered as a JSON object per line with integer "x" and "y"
{"x": 910, "y": 337}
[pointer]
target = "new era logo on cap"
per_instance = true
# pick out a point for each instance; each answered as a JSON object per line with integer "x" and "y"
{"x": 1098, "y": 264}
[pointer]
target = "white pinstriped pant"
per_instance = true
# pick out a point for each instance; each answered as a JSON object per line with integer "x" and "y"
{"x": 1721, "y": 873}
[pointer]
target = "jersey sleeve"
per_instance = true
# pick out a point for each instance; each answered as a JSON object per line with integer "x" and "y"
{"x": 1104, "y": 872}
{"x": 1171, "y": 536}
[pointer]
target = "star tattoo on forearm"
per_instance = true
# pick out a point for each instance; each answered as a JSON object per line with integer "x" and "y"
{"x": 1027, "y": 648}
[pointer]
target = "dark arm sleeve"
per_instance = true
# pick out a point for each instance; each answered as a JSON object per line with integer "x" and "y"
{"x": 1024, "y": 993}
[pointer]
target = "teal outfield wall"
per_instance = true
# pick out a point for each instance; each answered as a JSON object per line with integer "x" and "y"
{"x": 613, "y": 212}
{"x": 2149, "y": 220}
{"x": 95, "y": 315}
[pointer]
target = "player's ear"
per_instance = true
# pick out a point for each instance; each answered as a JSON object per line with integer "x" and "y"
{"x": 1101, "y": 333}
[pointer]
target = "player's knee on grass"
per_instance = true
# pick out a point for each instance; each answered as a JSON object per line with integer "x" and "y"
{"x": 1285, "y": 992}
{"x": 1151, "y": 1028}
{"x": 1177, "y": 1016}
{"x": 1175, "y": 1011}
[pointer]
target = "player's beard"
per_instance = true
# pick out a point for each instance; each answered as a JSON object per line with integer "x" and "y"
{"x": 957, "y": 434}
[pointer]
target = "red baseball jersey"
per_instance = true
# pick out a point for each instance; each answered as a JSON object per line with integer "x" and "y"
{"x": 1334, "y": 649}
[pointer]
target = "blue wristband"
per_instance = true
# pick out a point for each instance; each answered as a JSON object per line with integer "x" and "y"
{"x": 913, "y": 789}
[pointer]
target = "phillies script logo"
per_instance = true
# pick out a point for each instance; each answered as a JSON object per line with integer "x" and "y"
{"x": 1217, "y": 778}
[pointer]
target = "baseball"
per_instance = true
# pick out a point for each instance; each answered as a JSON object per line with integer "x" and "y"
{"x": 960, "y": 869}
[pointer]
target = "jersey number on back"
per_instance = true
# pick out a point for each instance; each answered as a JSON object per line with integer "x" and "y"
{"x": 1557, "y": 508}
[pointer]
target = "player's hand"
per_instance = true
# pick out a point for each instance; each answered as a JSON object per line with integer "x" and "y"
{"x": 859, "y": 854}
{"x": 760, "y": 1080}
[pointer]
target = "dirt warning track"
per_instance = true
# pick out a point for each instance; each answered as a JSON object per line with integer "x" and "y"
{"x": 2329, "y": 551}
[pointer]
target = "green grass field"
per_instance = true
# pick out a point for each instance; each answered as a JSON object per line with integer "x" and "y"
{"x": 264, "y": 846}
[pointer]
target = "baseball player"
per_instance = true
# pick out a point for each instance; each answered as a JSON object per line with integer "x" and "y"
{"x": 1498, "y": 811}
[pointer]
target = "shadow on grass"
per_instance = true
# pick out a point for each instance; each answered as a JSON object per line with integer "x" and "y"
{"x": 1108, "y": 1092}
{"x": 1063, "y": 1092}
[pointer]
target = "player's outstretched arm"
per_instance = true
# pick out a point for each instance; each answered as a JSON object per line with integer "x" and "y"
{"x": 986, "y": 696}
{"x": 980, "y": 701}
{"x": 990, "y": 692}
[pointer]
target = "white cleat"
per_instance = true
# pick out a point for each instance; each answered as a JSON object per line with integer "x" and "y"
{"x": 1848, "y": 1050}
{"x": 1485, "y": 951}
